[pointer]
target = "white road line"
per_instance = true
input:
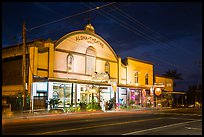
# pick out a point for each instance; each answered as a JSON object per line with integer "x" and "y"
{"x": 94, "y": 126}
{"x": 181, "y": 118}
{"x": 180, "y": 114}
{"x": 135, "y": 132}
{"x": 193, "y": 128}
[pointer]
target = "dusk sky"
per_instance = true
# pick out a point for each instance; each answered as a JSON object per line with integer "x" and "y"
{"x": 167, "y": 34}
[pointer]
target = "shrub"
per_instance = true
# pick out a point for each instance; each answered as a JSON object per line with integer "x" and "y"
{"x": 82, "y": 106}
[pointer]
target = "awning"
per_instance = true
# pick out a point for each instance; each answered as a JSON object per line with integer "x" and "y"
{"x": 147, "y": 87}
{"x": 10, "y": 93}
{"x": 78, "y": 81}
{"x": 174, "y": 92}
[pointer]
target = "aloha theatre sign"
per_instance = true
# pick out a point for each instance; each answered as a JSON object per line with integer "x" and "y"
{"x": 90, "y": 39}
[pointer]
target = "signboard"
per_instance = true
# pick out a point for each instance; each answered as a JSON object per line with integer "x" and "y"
{"x": 158, "y": 91}
{"x": 89, "y": 39}
{"x": 41, "y": 86}
{"x": 159, "y": 84}
{"x": 101, "y": 77}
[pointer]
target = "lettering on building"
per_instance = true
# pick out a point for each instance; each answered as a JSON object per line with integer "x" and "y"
{"x": 90, "y": 39}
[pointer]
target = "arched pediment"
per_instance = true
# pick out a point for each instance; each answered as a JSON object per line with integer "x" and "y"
{"x": 79, "y": 41}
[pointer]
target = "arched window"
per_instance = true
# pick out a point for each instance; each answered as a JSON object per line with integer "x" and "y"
{"x": 107, "y": 67}
{"x": 70, "y": 63}
{"x": 136, "y": 77}
{"x": 146, "y": 79}
{"x": 90, "y": 60}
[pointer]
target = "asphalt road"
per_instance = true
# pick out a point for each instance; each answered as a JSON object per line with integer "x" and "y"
{"x": 145, "y": 122}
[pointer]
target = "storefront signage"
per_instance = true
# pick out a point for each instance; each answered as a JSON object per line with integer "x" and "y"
{"x": 41, "y": 86}
{"x": 90, "y": 39}
{"x": 159, "y": 84}
{"x": 158, "y": 91}
{"x": 100, "y": 77}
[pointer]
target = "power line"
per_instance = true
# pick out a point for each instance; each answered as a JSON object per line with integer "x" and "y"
{"x": 134, "y": 31}
{"x": 131, "y": 28}
{"x": 135, "y": 21}
{"x": 96, "y": 8}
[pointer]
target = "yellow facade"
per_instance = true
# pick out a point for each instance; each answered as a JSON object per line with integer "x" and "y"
{"x": 143, "y": 68}
{"x": 166, "y": 82}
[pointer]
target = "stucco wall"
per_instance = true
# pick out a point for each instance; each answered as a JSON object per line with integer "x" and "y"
{"x": 43, "y": 60}
{"x": 142, "y": 69}
{"x": 123, "y": 74}
{"x": 168, "y": 83}
{"x": 76, "y": 43}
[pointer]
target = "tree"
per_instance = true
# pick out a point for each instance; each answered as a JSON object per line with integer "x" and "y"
{"x": 173, "y": 74}
{"x": 194, "y": 94}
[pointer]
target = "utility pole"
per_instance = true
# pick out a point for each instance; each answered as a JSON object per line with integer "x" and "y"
{"x": 24, "y": 65}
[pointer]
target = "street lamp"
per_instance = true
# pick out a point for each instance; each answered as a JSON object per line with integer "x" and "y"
{"x": 63, "y": 86}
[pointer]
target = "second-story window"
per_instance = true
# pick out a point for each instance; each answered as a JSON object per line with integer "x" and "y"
{"x": 136, "y": 77}
{"x": 70, "y": 63}
{"x": 90, "y": 60}
{"x": 146, "y": 79}
{"x": 107, "y": 67}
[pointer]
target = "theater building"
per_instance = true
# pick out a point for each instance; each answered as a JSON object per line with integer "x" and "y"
{"x": 78, "y": 67}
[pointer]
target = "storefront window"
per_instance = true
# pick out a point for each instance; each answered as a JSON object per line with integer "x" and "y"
{"x": 63, "y": 93}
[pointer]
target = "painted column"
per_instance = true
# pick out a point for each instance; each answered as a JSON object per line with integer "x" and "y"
{"x": 30, "y": 73}
{"x": 33, "y": 58}
{"x": 75, "y": 95}
{"x": 50, "y": 92}
{"x": 119, "y": 70}
{"x": 78, "y": 89}
{"x": 72, "y": 88}
{"x": 35, "y": 61}
{"x": 50, "y": 58}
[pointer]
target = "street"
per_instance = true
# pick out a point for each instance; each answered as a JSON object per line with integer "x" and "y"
{"x": 140, "y": 122}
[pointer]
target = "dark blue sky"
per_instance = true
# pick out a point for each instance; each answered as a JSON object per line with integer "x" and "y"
{"x": 167, "y": 34}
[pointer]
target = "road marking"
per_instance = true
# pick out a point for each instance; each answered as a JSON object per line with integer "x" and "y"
{"x": 182, "y": 118}
{"x": 193, "y": 128}
{"x": 180, "y": 114}
{"x": 96, "y": 126}
{"x": 135, "y": 132}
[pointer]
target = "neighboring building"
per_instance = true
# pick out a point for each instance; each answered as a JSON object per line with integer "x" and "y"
{"x": 78, "y": 67}
{"x": 164, "y": 99}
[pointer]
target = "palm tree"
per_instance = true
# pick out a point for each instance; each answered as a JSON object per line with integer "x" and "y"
{"x": 173, "y": 74}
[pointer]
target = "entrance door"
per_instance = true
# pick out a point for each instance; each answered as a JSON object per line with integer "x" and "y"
{"x": 40, "y": 101}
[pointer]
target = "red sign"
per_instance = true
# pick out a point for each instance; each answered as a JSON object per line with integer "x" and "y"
{"x": 158, "y": 91}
